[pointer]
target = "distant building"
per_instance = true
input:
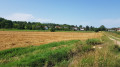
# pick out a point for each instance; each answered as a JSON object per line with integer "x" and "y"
{"x": 112, "y": 29}
{"x": 57, "y": 27}
{"x": 65, "y": 27}
{"x": 75, "y": 28}
{"x": 118, "y": 29}
{"x": 82, "y": 29}
{"x": 46, "y": 28}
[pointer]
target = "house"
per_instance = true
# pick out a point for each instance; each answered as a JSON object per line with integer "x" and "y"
{"x": 57, "y": 27}
{"x": 75, "y": 28}
{"x": 112, "y": 29}
{"x": 82, "y": 29}
{"x": 118, "y": 29}
{"x": 46, "y": 28}
{"x": 65, "y": 27}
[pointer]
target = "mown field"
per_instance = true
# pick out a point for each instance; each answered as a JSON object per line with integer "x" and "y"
{"x": 72, "y": 53}
{"x": 12, "y": 39}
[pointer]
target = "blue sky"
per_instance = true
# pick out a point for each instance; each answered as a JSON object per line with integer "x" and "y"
{"x": 73, "y": 12}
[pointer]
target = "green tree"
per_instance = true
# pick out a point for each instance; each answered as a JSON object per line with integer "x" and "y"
{"x": 1, "y": 19}
{"x": 33, "y": 27}
{"x": 28, "y": 26}
{"x": 80, "y": 26}
{"x": 2, "y": 24}
{"x": 87, "y": 28}
{"x": 52, "y": 29}
{"x": 91, "y": 28}
{"x": 6, "y": 24}
{"x": 15, "y": 25}
{"x": 96, "y": 29}
{"x": 102, "y": 28}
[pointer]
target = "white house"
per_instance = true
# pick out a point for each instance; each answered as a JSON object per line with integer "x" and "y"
{"x": 82, "y": 29}
{"x": 111, "y": 30}
{"x": 75, "y": 28}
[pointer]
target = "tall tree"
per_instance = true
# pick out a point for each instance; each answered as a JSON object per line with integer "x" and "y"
{"x": 91, "y": 28}
{"x": 87, "y": 28}
{"x": 80, "y": 26}
{"x": 102, "y": 28}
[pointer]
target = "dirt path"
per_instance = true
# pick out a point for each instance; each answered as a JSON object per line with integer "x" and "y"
{"x": 115, "y": 41}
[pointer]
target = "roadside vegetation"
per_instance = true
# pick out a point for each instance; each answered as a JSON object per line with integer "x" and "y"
{"x": 93, "y": 41}
{"x": 52, "y": 54}
{"x": 43, "y": 55}
{"x": 104, "y": 55}
{"x": 114, "y": 33}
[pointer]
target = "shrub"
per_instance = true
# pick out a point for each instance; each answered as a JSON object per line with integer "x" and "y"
{"x": 96, "y": 30}
{"x": 93, "y": 41}
{"x": 52, "y": 30}
{"x": 116, "y": 48}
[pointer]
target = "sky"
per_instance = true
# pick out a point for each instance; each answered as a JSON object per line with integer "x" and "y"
{"x": 73, "y": 12}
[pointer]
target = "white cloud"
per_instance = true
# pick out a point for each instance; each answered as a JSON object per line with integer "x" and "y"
{"x": 26, "y": 17}
{"x": 43, "y": 20}
{"x": 20, "y": 17}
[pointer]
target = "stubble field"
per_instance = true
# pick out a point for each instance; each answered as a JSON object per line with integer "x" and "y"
{"x": 12, "y": 39}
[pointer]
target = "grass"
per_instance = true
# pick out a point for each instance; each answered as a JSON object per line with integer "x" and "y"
{"x": 24, "y": 30}
{"x": 116, "y": 49}
{"x": 115, "y": 38}
{"x": 100, "y": 57}
{"x": 43, "y": 55}
{"x": 41, "y": 30}
{"x": 115, "y": 33}
{"x": 93, "y": 41}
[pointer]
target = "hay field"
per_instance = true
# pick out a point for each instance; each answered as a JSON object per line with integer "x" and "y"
{"x": 12, "y": 39}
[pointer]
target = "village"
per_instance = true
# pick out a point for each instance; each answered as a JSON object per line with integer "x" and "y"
{"x": 114, "y": 29}
{"x": 80, "y": 28}
{"x": 75, "y": 28}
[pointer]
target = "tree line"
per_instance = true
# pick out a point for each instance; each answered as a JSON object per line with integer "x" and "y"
{"x": 8, "y": 24}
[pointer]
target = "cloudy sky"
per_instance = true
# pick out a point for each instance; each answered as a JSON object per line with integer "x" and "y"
{"x": 73, "y": 12}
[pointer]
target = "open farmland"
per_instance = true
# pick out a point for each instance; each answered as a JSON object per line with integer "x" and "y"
{"x": 12, "y": 39}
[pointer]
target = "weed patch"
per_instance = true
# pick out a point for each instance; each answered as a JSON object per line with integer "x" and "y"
{"x": 93, "y": 41}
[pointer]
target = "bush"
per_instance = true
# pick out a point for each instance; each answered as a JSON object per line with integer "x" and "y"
{"x": 96, "y": 30}
{"x": 93, "y": 41}
{"x": 116, "y": 48}
{"x": 52, "y": 30}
